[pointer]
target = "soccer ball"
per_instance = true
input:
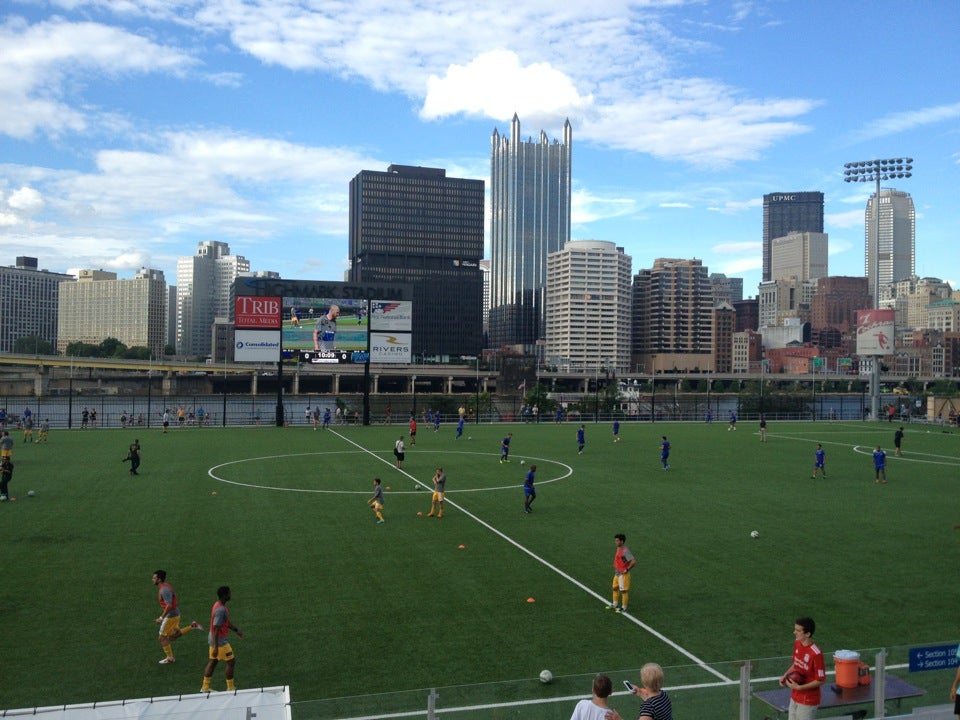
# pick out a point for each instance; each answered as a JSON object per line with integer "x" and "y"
{"x": 546, "y": 677}
{"x": 521, "y": 462}
{"x": 755, "y": 534}
{"x": 31, "y": 493}
{"x": 470, "y": 437}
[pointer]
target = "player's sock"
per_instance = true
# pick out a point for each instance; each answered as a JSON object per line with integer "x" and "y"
{"x": 624, "y": 596}
{"x": 168, "y": 650}
{"x": 185, "y": 630}
{"x": 206, "y": 684}
{"x": 230, "y": 685}
{"x": 379, "y": 516}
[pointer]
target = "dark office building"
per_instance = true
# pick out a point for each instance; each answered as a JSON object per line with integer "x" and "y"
{"x": 784, "y": 213}
{"x": 415, "y": 225}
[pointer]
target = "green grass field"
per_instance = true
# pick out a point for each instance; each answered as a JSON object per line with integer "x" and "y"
{"x": 334, "y": 605}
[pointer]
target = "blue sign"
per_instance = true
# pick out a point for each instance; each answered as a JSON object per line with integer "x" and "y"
{"x": 938, "y": 657}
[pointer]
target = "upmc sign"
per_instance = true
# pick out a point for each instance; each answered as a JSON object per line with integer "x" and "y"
{"x": 257, "y": 313}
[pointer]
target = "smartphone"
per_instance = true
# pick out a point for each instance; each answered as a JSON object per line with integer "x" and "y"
{"x": 629, "y": 685}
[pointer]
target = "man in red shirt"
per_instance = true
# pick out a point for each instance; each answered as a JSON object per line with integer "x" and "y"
{"x": 808, "y": 663}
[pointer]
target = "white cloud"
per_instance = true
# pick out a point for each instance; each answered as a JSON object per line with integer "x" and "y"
{"x": 744, "y": 265}
{"x": 698, "y": 121}
{"x": 738, "y": 248}
{"x": 851, "y": 218}
{"x": 586, "y": 207}
{"x": 896, "y": 123}
{"x": 675, "y": 205}
{"x": 37, "y": 63}
{"x": 610, "y": 67}
{"x": 495, "y": 85}
{"x": 26, "y": 200}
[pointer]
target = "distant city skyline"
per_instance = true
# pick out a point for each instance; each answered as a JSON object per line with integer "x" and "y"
{"x": 131, "y": 132}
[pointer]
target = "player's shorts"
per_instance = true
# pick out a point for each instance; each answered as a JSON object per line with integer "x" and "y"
{"x": 621, "y": 582}
{"x": 438, "y": 496}
{"x": 818, "y": 464}
{"x": 170, "y": 626}
{"x": 5, "y": 453}
{"x": 529, "y": 492}
{"x": 221, "y": 652}
{"x": 413, "y": 433}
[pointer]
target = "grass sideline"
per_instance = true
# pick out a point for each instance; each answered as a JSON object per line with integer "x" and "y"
{"x": 329, "y": 601}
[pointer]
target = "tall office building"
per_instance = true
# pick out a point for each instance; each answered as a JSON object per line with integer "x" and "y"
{"x": 837, "y": 301}
{"x": 204, "y": 287}
{"x": 98, "y": 306}
{"x": 784, "y": 213}
{"x": 416, "y": 225}
{"x": 672, "y": 317}
{"x": 28, "y": 303}
{"x": 897, "y": 251}
{"x": 726, "y": 289}
{"x": 588, "y": 303}
{"x": 530, "y": 218}
{"x": 786, "y": 298}
{"x": 485, "y": 271}
{"x": 799, "y": 254}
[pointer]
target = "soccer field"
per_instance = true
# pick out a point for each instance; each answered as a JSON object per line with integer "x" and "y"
{"x": 334, "y": 605}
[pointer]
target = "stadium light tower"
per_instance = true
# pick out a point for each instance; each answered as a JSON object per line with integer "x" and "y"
{"x": 875, "y": 171}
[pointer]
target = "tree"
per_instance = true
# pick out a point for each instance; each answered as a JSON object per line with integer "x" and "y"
{"x": 80, "y": 349}
{"x": 111, "y": 347}
{"x": 32, "y": 345}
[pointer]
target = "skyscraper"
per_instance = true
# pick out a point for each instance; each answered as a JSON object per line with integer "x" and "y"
{"x": 28, "y": 303}
{"x": 784, "y": 213}
{"x": 530, "y": 218}
{"x": 416, "y": 225}
{"x": 588, "y": 304}
{"x": 673, "y": 317}
{"x": 799, "y": 254}
{"x": 99, "y": 306}
{"x": 204, "y": 284}
{"x": 897, "y": 238}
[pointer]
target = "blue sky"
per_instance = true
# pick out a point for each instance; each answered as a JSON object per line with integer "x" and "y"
{"x": 130, "y": 130}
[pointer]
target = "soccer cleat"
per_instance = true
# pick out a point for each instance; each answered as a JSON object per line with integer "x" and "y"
{"x": 622, "y": 610}
{"x": 196, "y": 626}
{"x": 379, "y": 522}
{"x": 168, "y": 660}
{"x": 613, "y": 607}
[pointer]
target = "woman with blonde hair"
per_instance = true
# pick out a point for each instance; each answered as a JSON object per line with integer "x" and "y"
{"x": 656, "y": 703}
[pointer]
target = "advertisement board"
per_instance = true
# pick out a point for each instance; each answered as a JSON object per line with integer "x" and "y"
{"x": 875, "y": 332}
{"x": 256, "y": 313}
{"x": 326, "y": 322}
{"x": 256, "y": 345}
{"x": 390, "y": 347}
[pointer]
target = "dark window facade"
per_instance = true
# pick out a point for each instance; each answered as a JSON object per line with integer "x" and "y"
{"x": 415, "y": 225}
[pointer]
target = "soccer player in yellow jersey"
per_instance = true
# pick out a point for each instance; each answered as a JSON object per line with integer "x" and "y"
{"x": 169, "y": 620}
{"x": 439, "y": 485}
